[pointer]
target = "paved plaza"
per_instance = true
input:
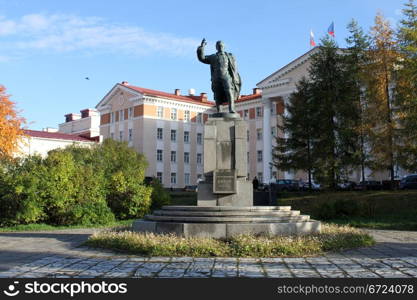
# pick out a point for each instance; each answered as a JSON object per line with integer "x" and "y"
{"x": 58, "y": 254}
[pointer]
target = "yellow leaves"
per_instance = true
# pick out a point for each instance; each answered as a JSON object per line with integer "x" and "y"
{"x": 11, "y": 131}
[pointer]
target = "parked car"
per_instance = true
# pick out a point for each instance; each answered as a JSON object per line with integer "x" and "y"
{"x": 285, "y": 185}
{"x": 409, "y": 182}
{"x": 191, "y": 188}
{"x": 314, "y": 186}
{"x": 346, "y": 185}
{"x": 369, "y": 185}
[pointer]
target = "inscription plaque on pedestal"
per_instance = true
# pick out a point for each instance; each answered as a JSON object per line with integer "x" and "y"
{"x": 224, "y": 182}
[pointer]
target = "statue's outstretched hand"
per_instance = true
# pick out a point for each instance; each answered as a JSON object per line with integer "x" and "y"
{"x": 203, "y": 43}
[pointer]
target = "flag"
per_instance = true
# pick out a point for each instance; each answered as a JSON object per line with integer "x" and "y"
{"x": 312, "y": 42}
{"x": 330, "y": 30}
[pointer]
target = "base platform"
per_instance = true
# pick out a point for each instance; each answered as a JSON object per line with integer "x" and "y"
{"x": 227, "y": 221}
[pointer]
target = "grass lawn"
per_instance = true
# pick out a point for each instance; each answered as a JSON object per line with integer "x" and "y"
{"x": 332, "y": 238}
{"x": 395, "y": 210}
{"x": 46, "y": 227}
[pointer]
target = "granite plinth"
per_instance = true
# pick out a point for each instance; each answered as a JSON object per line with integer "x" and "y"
{"x": 227, "y": 221}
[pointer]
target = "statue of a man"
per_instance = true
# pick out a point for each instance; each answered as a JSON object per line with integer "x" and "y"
{"x": 225, "y": 80}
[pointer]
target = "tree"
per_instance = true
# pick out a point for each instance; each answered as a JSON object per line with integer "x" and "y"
{"x": 357, "y": 60}
{"x": 383, "y": 57}
{"x": 406, "y": 88}
{"x": 11, "y": 130}
{"x": 294, "y": 150}
{"x": 336, "y": 142}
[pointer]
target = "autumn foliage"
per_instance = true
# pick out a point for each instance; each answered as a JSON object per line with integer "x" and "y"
{"x": 11, "y": 130}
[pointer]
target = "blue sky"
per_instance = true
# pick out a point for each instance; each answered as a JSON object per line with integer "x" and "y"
{"x": 48, "y": 47}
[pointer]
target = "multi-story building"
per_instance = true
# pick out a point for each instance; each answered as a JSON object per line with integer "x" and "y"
{"x": 85, "y": 124}
{"x": 166, "y": 128}
{"x": 36, "y": 142}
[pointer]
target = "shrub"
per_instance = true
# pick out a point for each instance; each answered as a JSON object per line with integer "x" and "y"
{"x": 75, "y": 185}
{"x": 160, "y": 196}
{"x": 20, "y": 199}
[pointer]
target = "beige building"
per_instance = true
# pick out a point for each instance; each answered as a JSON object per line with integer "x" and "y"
{"x": 168, "y": 127}
{"x": 85, "y": 124}
{"x": 41, "y": 142}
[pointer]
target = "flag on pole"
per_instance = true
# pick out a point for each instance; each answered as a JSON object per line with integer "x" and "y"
{"x": 330, "y": 30}
{"x": 312, "y": 42}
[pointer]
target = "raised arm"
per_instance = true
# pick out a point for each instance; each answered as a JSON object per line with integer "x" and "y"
{"x": 200, "y": 53}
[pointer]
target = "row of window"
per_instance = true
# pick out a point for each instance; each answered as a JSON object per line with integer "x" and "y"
{"x": 258, "y": 112}
{"x": 259, "y": 156}
{"x": 259, "y": 133}
{"x": 160, "y": 136}
{"x": 174, "y": 114}
{"x": 160, "y": 157}
{"x": 120, "y": 115}
{"x": 121, "y": 135}
{"x": 187, "y": 177}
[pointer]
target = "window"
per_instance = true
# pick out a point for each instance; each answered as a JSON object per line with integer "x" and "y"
{"x": 259, "y": 155}
{"x": 199, "y": 138}
{"x": 260, "y": 177}
{"x": 173, "y": 156}
{"x": 187, "y": 178}
{"x": 173, "y": 178}
{"x": 259, "y": 134}
{"x": 186, "y": 157}
{"x": 187, "y": 115}
{"x": 159, "y": 133}
{"x": 186, "y": 137}
{"x": 173, "y": 113}
{"x": 199, "y": 118}
{"x": 121, "y": 115}
{"x": 247, "y": 135}
{"x": 159, "y": 155}
{"x": 199, "y": 158}
{"x": 121, "y": 135}
{"x": 259, "y": 112}
{"x": 112, "y": 135}
{"x": 247, "y": 156}
{"x": 112, "y": 117}
{"x": 173, "y": 135}
{"x": 273, "y": 131}
{"x": 246, "y": 114}
{"x": 160, "y": 112}
{"x": 130, "y": 114}
{"x": 130, "y": 134}
{"x": 159, "y": 176}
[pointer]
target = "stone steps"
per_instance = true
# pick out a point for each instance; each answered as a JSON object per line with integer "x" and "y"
{"x": 226, "y": 213}
{"x": 226, "y": 208}
{"x": 228, "y": 219}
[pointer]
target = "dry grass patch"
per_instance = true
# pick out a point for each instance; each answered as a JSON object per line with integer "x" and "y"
{"x": 332, "y": 238}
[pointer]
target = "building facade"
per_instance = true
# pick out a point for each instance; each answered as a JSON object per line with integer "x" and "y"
{"x": 85, "y": 124}
{"x": 169, "y": 128}
{"x": 166, "y": 128}
{"x": 38, "y": 142}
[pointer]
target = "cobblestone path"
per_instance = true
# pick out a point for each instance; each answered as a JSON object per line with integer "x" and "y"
{"x": 55, "y": 254}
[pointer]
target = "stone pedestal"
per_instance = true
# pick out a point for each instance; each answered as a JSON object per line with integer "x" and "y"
{"x": 225, "y": 198}
{"x": 225, "y": 164}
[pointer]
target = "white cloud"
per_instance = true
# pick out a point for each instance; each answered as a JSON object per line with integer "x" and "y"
{"x": 64, "y": 33}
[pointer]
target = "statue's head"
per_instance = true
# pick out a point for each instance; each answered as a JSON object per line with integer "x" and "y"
{"x": 220, "y": 46}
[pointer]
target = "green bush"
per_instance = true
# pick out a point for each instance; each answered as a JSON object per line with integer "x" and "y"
{"x": 20, "y": 195}
{"x": 160, "y": 196}
{"x": 76, "y": 185}
{"x": 346, "y": 208}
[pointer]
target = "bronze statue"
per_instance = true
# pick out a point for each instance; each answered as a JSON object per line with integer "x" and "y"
{"x": 225, "y": 80}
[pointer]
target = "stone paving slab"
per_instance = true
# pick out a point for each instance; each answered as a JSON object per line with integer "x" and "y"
{"x": 55, "y": 254}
